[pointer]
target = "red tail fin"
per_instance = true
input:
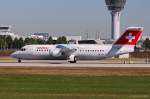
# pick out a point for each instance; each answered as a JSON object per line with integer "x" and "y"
{"x": 130, "y": 37}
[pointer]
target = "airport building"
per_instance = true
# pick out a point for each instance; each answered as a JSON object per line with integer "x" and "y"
{"x": 54, "y": 38}
{"x": 6, "y": 31}
{"x": 36, "y": 37}
{"x": 77, "y": 38}
{"x": 43, "y": 36}
{"x": 143, "y": 38}
{"x": 73, "y": 39}
{"x": 70, "y": 38}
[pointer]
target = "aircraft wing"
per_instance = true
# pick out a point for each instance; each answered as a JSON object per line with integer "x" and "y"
{"x": 66, "y": 49}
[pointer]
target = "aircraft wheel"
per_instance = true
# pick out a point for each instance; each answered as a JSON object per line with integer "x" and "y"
{"x": 19, "y": 60}
{"x": 74, "y": 61}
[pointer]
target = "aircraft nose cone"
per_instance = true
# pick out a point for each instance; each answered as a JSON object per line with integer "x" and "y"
{"x": 14, "y": 55}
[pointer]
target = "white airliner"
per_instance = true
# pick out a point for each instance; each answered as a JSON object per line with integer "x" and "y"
{"x": 73, "y": 52}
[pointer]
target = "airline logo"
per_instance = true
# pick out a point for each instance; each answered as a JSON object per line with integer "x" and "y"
{"x": 42, "y": 48}
{"x": 130, "y": 37}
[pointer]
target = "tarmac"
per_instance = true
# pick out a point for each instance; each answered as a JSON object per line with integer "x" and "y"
{"x": 108, "y": 67}
{"x": 65, "y": 63}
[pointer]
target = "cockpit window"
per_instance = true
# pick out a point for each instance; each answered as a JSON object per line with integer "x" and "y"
{"x": 23, "y": 49}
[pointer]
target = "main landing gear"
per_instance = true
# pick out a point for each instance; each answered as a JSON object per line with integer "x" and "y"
{"x": 72, "y": 59}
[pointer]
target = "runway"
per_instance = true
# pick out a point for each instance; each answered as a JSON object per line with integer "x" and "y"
{"x": 107, "y": 67}
{"x": 64, "y": 63}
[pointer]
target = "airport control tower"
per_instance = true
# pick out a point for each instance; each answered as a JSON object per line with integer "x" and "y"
{"x": 115, "y": 6}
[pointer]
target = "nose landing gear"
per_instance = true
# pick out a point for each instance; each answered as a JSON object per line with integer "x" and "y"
{"x": 19, "y": 60}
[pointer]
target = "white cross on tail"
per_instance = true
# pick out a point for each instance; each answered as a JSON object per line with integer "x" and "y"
{"x": 130, "y": 37}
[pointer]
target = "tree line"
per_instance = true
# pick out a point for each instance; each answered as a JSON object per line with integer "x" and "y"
{"x": 146, "y": 44}
{"x": 6, "y": 42}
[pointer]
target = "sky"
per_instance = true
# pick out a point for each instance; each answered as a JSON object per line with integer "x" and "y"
{"x": 71, "y": 17}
